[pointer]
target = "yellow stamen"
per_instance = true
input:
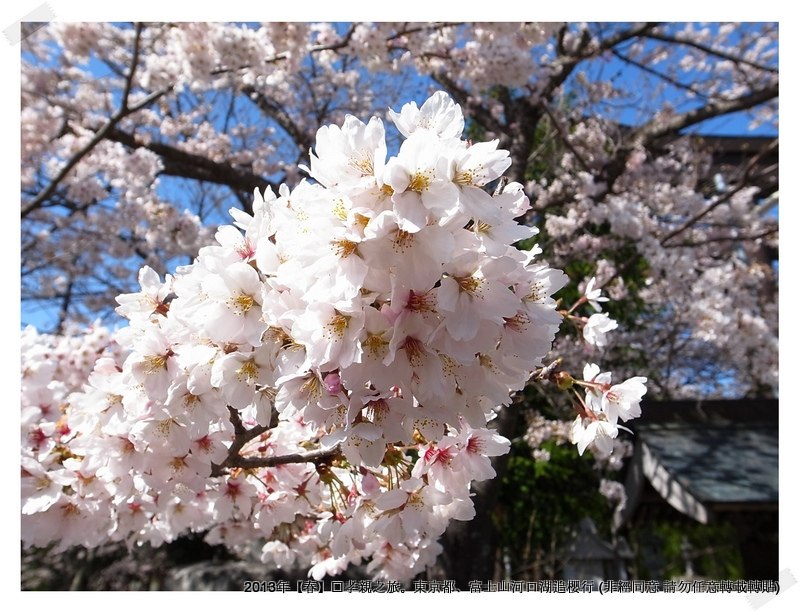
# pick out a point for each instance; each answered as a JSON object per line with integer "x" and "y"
{"x": 240, "y": 302}
{"x": 155, "y": 363}
{"x": 536, "y": 294}
{"x": 374, "y": 343}
{"x": 403, "y": 241}
{"x": 312, "y": 388}
{"x": 363, "y": 164}
{"x": 470, "y": 284}
{"x": 248, "y": 371}
{"x": 344, "y": 248}
{"x": 336, "y": 327}
{"x": 414, "y": 352}
{"x": 339, "y": 210}
{"x": 419, "y": 182}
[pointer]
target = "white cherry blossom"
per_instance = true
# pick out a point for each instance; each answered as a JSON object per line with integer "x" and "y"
{"x": 322, "y": 376}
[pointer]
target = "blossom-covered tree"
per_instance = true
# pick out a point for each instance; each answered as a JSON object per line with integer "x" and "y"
{"x": 337, "y": 351}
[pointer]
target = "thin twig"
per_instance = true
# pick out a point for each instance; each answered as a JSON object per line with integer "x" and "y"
{"x": 711, "y": 51}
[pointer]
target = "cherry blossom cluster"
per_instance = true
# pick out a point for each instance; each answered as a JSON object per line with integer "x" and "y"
{"x": 600, "y": 409}
{"x": 54, "y": 367}
{"x": 277, "y": 83}
{"x": 602, "y": 406}
{"x": 132, "y": 111}
{"x": 323, "y": 376}
{"x": 702, "y": 287}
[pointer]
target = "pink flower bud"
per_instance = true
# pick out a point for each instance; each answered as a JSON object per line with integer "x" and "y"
{"x": 333, "y": 383}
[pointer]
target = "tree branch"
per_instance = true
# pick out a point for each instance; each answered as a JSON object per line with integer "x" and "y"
{"x": 314, "y": 456}
{"x": 715, "y": 108}
{"x": 740, "y": 184}
{"x": 271, "y": 109}
{"x": 710, "y": 50}
{"x": 563, "y": 137}
{"x": 192, "y": 166}
{"x": 339, "y": 44}
{"x": 244, "y": 435}
{"x": 124, "y": 110}
{"x": 659, "y": 75}
{"x": 474, "y": 109}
